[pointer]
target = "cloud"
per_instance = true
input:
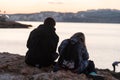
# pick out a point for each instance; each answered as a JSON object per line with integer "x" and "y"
{"x": 53, "y": 2}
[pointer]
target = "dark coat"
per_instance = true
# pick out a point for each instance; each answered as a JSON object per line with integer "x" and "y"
{"x": 42, "y": 44}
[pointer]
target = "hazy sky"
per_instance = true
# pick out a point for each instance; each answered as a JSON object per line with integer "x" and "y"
{"x": 31, "y": 6}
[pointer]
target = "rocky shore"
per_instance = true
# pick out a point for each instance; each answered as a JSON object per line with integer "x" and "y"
{"x": 13, "y": 24}
{"x": 13, "y": 67}
{"x": 5, "y": 22}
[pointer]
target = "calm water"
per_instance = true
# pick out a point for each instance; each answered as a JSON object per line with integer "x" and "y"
{"x": 102, "y": 40}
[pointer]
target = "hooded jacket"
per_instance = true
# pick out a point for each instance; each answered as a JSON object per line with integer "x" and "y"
{"x": 42, "y": 44}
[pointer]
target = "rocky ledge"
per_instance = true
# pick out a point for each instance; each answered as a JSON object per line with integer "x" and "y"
{"x": 12, "y": 24}
{"x": 13, "y": 67}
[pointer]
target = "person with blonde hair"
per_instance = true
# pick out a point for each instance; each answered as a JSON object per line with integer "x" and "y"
{"x": 74, "y": 56}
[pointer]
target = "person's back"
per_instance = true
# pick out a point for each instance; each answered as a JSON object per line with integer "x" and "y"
{"x": 42, "y": 44}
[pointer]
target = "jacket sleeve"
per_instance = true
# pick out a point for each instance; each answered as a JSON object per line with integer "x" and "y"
{"x": 85, "y": 54}
{"x": 30, "y": 40}
{"x": 83, "y": 58}
{"x": 62, "y": 46}
{"x": 33, "y": 39}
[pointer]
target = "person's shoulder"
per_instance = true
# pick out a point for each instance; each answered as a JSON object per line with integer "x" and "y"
{"x": 34, "y": 30}
{"x": 40, "y": 27}
{"x": 66, "y": 40}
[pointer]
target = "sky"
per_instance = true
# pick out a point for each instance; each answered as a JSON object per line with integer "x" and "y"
{"x": 33, "y": 6}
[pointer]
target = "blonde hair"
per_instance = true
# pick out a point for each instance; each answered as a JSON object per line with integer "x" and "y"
{"x": 80, "y": 37}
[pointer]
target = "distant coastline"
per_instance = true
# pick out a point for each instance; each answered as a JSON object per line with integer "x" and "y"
{"x": 89, "y": 16}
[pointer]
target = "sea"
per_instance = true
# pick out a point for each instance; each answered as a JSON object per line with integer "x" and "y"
{"x": 102, "y": 40}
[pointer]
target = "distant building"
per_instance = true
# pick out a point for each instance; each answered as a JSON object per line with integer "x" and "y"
{"x": 4, "y": 18}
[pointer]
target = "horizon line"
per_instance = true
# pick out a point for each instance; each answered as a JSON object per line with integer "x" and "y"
{"x": 4, "y": 12}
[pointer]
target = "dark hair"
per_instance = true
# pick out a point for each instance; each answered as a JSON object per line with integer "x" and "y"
{"x": 49, "y": 22}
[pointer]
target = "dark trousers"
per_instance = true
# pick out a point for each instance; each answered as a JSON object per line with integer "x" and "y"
{"x": 90, "y": 68}
{"x": 41, "y": 62}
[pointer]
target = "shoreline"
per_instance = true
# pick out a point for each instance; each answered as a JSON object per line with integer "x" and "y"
{"x": 12, "y": 66}
{"x": 13, "y": 24}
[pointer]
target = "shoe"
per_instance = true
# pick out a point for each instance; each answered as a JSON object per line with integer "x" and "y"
{"x": 95, "y": 76}
{"x": 56, "y": 68}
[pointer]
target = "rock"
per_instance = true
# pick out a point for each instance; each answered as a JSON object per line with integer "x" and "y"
{"x": 13, "y": 67}
{"x": 13, "y": 24}
{"x": 5, "y": 22}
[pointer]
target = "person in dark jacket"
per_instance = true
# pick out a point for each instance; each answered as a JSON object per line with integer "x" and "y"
{"x": 42, "y": 44}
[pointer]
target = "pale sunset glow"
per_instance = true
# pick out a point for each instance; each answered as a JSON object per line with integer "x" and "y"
{"x": 32, "y": 6}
